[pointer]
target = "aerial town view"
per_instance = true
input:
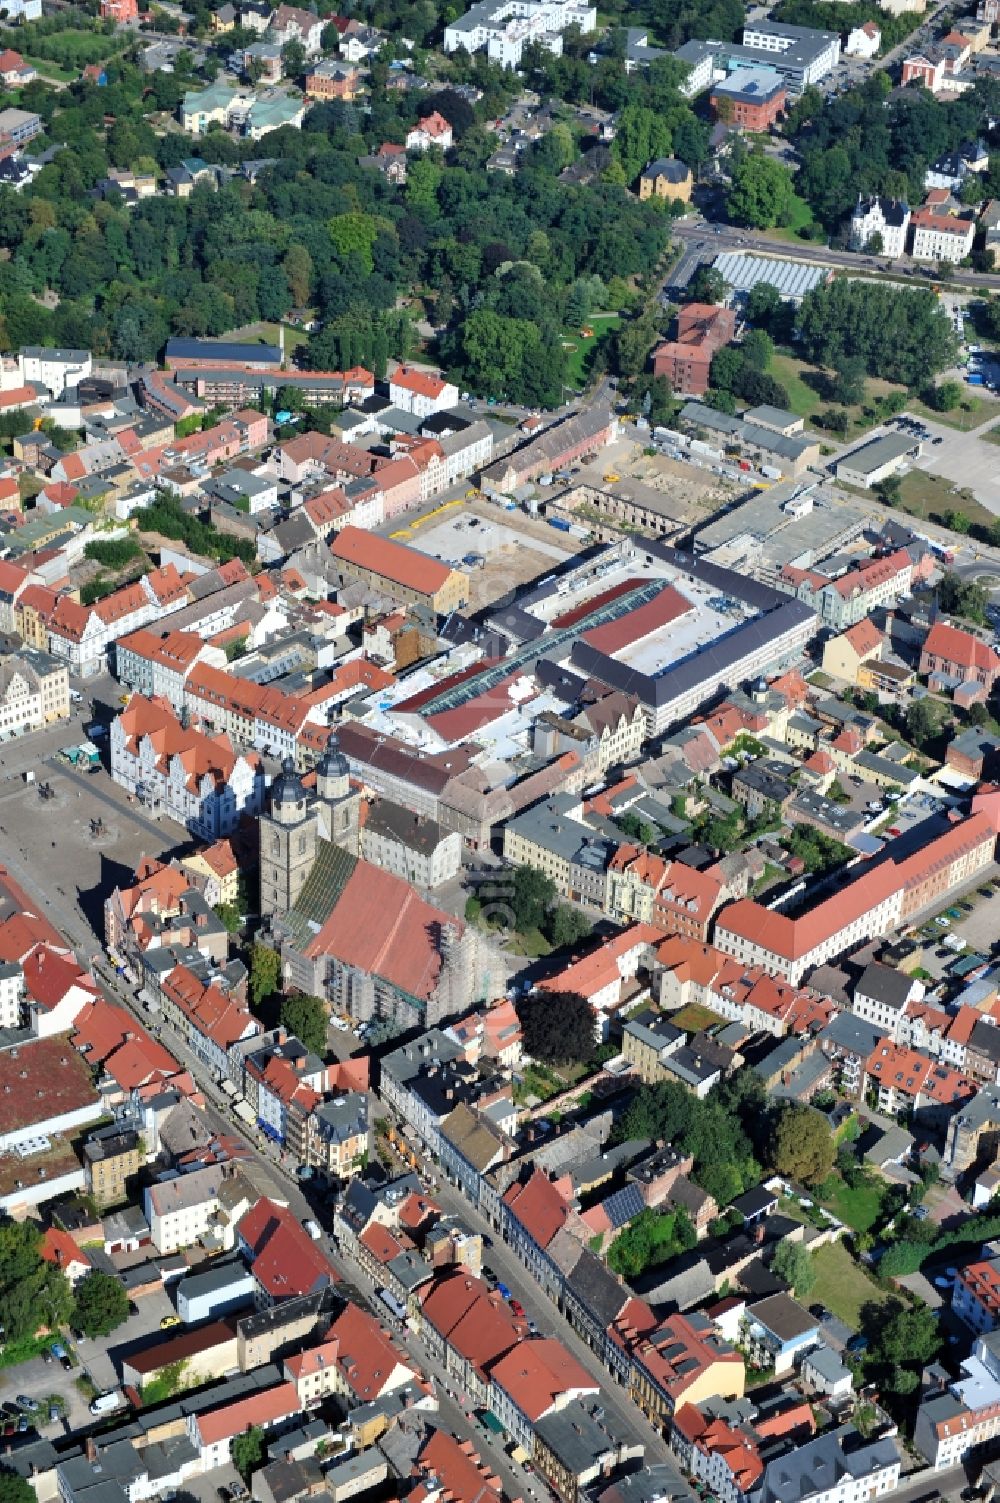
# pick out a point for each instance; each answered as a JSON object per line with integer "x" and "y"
{"x": 499, "y": 751}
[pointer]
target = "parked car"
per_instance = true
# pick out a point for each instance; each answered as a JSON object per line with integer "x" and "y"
{"x": 25, "y": 1401}
{"x": 67, "y": 1364}
{"x": 517, "y": 1308}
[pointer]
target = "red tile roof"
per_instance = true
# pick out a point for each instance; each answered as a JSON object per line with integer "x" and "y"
{"x": 266, "y": 1408}
{"x": 389, "y": 560}
{"x": 537, "y": 1374}
{"x": 285, "y": 1260}
{"x": 961, "y": 647}
{"x": 381, "y": 925}
{"x": 539, "y": 1207}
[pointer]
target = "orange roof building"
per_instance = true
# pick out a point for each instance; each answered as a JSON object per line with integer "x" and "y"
{"x": 397, "y": 571}
{"x": 197, "y": 780}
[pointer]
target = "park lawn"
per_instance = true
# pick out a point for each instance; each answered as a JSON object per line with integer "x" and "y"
{"x": 532, "y": 944}
{"x": 579, "y": 350}
{"x": 800, "y": 217}
{"x": 50, "y": 71}
{"x": 694, "y": 1017}
{"x": 842, "y": 1285}
{"x": 858, "y": 1208}
{"x": 805, "y": 401}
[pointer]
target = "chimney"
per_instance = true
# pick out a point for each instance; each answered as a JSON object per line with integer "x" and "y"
{"x": 90, "y": 1448}
{"x": 758, "y": 1233}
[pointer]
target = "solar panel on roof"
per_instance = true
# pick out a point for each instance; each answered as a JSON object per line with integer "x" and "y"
{"x": 623, "y": 1206}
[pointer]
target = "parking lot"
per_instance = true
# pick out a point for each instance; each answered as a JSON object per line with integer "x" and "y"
{"x": 39, "y": 1380}
{"x": 967, "y": 459}
{"x": 981, "y": 928}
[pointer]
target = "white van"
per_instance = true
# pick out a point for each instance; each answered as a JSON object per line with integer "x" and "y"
{"x": 108, "y": 1403}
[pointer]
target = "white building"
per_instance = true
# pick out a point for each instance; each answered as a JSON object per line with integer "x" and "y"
{"x": 939, "y": 235}
{"x": 421, "y": 392}
{"x": 59, "y": 370}
{"x": 432, "y": 130}
{"x": 197, "y": 780}
{"x": 181, "y": 1210}
{"x": 34, "y": 691}
{"x": 889, "y": 218}
{"x": 416, "y": 849}
{"x": 505, "y": 27}
{"x": 864, "y": 41}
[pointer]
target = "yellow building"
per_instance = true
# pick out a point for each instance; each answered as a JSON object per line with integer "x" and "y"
{"x": 666, "y": 178}
{"x": 110, "y": 1161}
{"x": 844, "y": 655}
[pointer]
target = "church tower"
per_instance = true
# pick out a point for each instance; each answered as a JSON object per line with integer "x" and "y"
{"x": 288, "y": 834}
{"x": 339, "y": 803}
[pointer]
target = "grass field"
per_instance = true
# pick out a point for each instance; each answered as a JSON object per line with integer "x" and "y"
{"x": 930, "y": 496}
{"x": 972, "y": 411}
{"x": 580, "y": 350}
{"x": 859, "y": 1207}
{"x": 842, "y": 1285}
{"x": 806, "y": 401}
{"x": 800, "y": 217}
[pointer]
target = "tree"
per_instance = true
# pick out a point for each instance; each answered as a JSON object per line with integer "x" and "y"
{"x": 14, "y": 1488}
{"x": 568, "y": 925}
{"x": 708, "y": 285}
{"x": 957, "y": 521}
{"x": 963, "y": 597}
{"x": 248, "y": 1451}
{"x": 944, "y": 397}
{"x": 921, "y": 722}
{"x": 803, "y": 1146}
{"x": 757, "y": 349}
{"x": 848, "y": 384}
{"x": 31, "y": 1290}
{"x": 298, "y": 268}
{"x": 265, "y": 973}
{"x": 899, "y": 334}
{"x": 763, "y": 304}
{"x": 793, "y": 1263}
{"x": 558, "y": 1027}
{"x": 101, "y": 1304}
{"x": 532, "y": 897}
{"x": 306, "y": 1017}
{"x": 902, "y": 1340}
{"x": 761, "y": 194}
{"x": 293, "y": 58}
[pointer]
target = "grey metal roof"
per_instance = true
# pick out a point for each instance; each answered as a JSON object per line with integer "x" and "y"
{"x": 793, "y": 279}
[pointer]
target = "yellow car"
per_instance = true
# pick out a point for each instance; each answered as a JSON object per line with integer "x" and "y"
{"x": 168, "y": 1321}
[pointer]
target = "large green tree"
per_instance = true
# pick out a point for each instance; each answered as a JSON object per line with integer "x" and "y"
{"x": 793, "y": 1263}
{"x": 803, "y": 1146}
{"x": 559, "y": 1027}
{"x": 306, "y": 1017}
{"x": 899, "y": 334}
{"x": 761, "y": 194}
{"x": 100, "y": 1304}
{"x": 33, "y": 1293}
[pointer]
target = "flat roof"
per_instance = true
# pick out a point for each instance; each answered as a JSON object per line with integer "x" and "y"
{"x": 877, "y": 452}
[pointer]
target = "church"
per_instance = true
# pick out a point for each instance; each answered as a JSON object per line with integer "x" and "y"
{"x": 348, "y": 931}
